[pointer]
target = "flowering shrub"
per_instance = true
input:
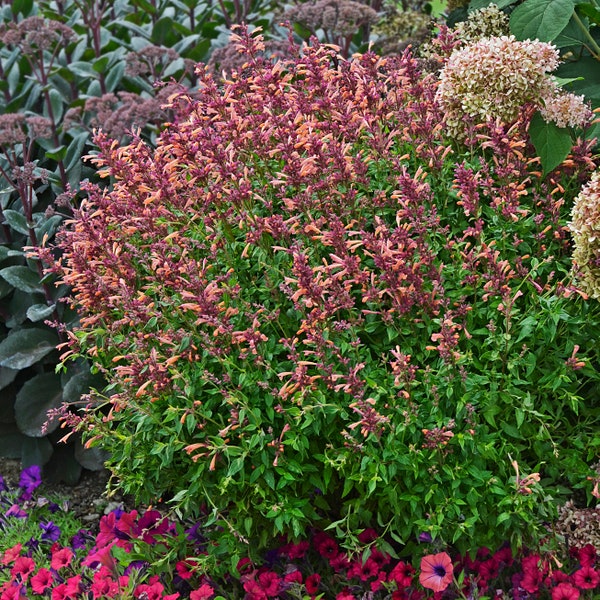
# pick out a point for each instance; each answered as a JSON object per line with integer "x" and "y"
{"x": 315, "y": 310}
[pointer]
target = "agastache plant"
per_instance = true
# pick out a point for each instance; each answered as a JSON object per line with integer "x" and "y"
{"x": 314, "y": 308}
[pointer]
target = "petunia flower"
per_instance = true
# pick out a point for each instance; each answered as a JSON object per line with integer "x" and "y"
{"x": 312, "y": 584}
{"x": 51, "y": 532}
{"x": 23, "y": 568}
{"x": 565, "y": 591}
{"x": 586, "y": 578}
{"x": 204, "y": 592}
{"x": 30, "y": 479}
{"x": 41, "y": 581}
{"x": 436, "y": 571}
{"x": 61, "y": 558}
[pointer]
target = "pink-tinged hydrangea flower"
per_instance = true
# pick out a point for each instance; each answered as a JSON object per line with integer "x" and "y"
{"x": 585, "y": 230}
{"x": 566, "y": 109}
{"x": 494, "y": 78}
{"x": 565, "y": 591}
{"x": 41, "y": 581}
{"x": 436, "y": 571}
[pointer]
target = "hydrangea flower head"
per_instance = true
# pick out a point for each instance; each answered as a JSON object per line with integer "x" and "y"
{"x": 585, "y": 230}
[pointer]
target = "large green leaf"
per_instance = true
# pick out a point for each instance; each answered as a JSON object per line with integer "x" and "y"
{"x": 16, "y": 220}
{"x": 541, "y": 19}
{"x": 25, "y": 347}
{"x": 552, "y": 143}
{"x": 7, "y": 376}
{"x": 35, "y": 451}
{"x": 22, "y": 278}
{"x": 11, "y": 441}
{"x": 37, "y": 396}
{"x": 589, "y": 70}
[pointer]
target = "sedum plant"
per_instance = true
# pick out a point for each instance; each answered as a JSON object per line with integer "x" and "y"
{"x": 315, "y": 309}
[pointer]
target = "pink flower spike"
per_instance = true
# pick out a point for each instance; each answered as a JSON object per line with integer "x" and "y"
{"x": 436, "y": 571}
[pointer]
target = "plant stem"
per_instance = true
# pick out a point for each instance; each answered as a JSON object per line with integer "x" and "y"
{"x": 595, "y": 49}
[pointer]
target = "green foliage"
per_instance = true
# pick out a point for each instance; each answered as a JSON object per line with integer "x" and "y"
{"x": 318, "y": 310}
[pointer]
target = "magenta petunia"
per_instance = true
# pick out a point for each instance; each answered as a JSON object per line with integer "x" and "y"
{"x": 586, "y": 578}
{"x": 204, "y": 592}
{"x": 23, "y": 568}
{"x": 312, "y": 584}
{"x": 436, "y": 571}
{"x": 565, "y": 591}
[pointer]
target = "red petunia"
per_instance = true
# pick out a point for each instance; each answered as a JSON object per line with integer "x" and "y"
{"x": 436, "y": 571}
{"x": 11, "y": 554}
{"x": 586, "y": 578}
{"x": 312, "y": 584}
{"x": 402, "y": 574}
{"x": 345, "y": 594}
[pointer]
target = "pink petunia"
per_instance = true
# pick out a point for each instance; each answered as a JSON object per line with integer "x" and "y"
{"x": 61, "y": 558}
{"x": 41, "y": 581}
{"x": 14, "y": 592}
{"x": 22, "y": 568}
{"x": 345, "y": 594}
{"x": 60, "y": 592}
{"x": 587, "y": 555}
{"x": 436, "y": 571}
{"x": 11, "y": 554}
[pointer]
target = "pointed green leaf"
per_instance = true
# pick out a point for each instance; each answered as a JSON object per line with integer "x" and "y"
{"x": 25, "y": 347}
{"x": 552, "y": 143}
{"x": 22, "y": 278}
{"x": 541, "y": 19}
{"x": 37, "y": 396}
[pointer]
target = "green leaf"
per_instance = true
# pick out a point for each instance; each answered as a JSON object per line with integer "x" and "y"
{"x": 57, "y": 154}
{"x": 590, "y": 11}
{"x": 36, "y": 451}
{"x": 162, "y": 30}
{"x": 58, "y": 103}
{"x": 7, "y": 376}
{"x": 37, "y": 396}
{"x": 11, "y": 441}
{"x": 16, "y": 220}
{"x": 115, "y": 74}
{"x": 477, "y": 4}
{"x": 22, "y": 278}
{"x": 552, "y": 143}
{"x": 541, "y": 19}
{"x": 586, "y": 68}
{"x": 25, "y": 347}
{"x": 22, "y": 6}
{"x": 100, "y": 65}
{"x": 37, "y": 312}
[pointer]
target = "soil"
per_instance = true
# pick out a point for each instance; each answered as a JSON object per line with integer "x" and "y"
{"x": 87, "y": 499}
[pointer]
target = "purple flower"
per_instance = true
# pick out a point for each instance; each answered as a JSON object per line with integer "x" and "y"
{"x": 425, "y": 537}
{"x": 3, "y": 486}
{"x": 31, "y": 478}
{"x": 81, "y": 539}
{"x": 51, "y": 532}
